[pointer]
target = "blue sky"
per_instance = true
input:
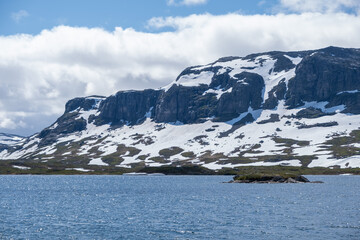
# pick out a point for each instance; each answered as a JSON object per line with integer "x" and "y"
{"x": 53, "y": 51}
{"x": 31, "y": 17}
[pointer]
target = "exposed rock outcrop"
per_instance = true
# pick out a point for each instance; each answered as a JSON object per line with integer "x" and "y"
{"x": 85, "y": 104}
{"x": 128, "y": 107}
{"x": 271, "y": 179}
{"x": 67, "y": 123}
{"x": 323, "y": 74}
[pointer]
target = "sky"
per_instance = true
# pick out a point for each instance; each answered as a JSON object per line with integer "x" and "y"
{"x": 53, "y": 51}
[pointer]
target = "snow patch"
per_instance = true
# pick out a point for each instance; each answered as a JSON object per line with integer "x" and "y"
{"x": 295, "y": 60}
{"x": 215, "y": 166}
{"x": 218, "y": 92}
{"x": 328, "y": 161}
{"x": 98, "y": 161}
{"x": 321, "y": 106}
{"x": 192, "y": 80}
{"x": 21, "y": 167}
{"x": 80, "y": 169}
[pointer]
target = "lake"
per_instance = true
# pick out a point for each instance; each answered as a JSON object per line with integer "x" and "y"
{"x": 177, "y": 207}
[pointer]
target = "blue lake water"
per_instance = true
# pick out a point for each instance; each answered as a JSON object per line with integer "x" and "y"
{"x": 177, "y": 207}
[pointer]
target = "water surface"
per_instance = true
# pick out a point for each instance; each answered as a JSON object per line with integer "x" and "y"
{"x": 177, "y": 207}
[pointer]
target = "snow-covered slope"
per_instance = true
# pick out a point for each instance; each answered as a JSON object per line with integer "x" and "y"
{"x": 9, "y": 139}
{"x": 260, "y": 110}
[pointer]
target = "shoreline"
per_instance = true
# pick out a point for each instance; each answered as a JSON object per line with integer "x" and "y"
{"x": 30, "y": 169}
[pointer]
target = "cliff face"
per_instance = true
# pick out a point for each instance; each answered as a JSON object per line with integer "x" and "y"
{"x": 273, "y": 91}
{"x": 324, "y": 75}
{"x": 327, "y": 75}
{"x": 128, "y": 107}
{"x": 230, "y": 86}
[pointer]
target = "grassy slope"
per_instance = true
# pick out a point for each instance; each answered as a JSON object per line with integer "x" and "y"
{"x": 48, "y": 169}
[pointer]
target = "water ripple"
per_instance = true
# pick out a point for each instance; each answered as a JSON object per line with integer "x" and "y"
{"x": 176, "y": 207}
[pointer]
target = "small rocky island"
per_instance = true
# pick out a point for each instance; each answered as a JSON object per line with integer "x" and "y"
{"x": 258, "y": 178}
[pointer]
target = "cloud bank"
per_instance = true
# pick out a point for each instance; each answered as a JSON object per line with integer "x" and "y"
{"x": 40, "y": 73}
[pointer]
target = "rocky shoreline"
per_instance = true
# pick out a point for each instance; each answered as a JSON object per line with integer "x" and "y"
{"x": 271, "y": 179}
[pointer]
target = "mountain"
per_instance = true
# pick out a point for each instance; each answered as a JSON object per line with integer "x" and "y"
{"x": 275, "y": 108}
{"x": 9, "y": 139}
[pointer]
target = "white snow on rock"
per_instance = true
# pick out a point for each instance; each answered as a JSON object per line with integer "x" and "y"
{"x": 9, "y": 139}
{"x": 107, "y": 149}
{"x": 192, "y": 80}
{"x": 262, "y": 65}
{"x": 55, "y": 125}
{"x": 97, "y": 161}
{"x": 218, "y": 92}
{"x": 295, "y": 60}
{"x": 215, "y": 166}
{"x": 329, "y": 161}
{"x": 80, "y": 169}
{"x": 21, "y": 167}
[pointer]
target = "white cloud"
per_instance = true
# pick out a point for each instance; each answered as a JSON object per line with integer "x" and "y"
{"x": 40, "y": 73}
{"x": 323, "y": 6}
{"x": 18, "y": 16}
{"x": 185, "y": 2}
{"x": 7, "y": 122}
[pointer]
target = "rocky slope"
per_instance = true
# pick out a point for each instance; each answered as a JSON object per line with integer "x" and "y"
{"x": 275, "y": 108}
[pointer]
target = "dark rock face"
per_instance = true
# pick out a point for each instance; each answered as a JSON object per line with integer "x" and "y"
{"x": 350, "y": 100}
{"x": 247, "y": 119}
{"x": 127, "y": 107}
{"x": 324, "y": 74}
{"x": 185, "y": 104}
{"x": 273, "y": 118}
{"x": 283, "y": 63}
{"x": 83, "y": 103}
{"x": 241, "y": 97}
{"x": 193, "y": 105}
{"x": 3, "y": 147}
{"x": 67, "y": 123}
{"x": 310, "y": 113}
{"x": 270, "y": 179}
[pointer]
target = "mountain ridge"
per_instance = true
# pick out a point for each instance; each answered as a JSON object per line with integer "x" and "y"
{"x": 210, "y": 115}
